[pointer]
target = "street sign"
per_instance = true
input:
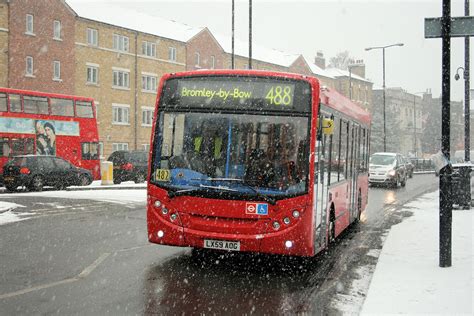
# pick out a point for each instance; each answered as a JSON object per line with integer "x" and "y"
{"x": 461, "y": 26}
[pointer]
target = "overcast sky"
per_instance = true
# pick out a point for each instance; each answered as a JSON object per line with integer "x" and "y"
{"x": 308, "y": 26}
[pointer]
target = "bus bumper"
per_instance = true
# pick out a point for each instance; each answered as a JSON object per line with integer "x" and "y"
{"x": 292, "y": 241}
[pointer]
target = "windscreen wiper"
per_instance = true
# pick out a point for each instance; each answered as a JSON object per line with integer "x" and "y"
{"x": 201, "y": 188}
{"x": 266, "y": 198}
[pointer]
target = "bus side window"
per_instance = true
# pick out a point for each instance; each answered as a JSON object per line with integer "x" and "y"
{"x": 3, "y": 102}
{"x": 4, "y": 147}
{"x": 15, "y": 103}
{"x": 84, "y": 109}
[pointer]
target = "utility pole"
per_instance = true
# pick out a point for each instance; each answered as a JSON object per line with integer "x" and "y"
{"x": 445, "y": 194}
{"x": 233, "y": 34}
{"x": 250, "y": 34}
{"x": 467, "y": 119}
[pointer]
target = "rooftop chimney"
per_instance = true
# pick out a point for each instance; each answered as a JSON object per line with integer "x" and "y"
{"x": 358, "y": 68}
{"x": 319, "y": 60}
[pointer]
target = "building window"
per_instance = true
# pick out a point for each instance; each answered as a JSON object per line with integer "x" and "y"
{"x": 29, "y": 66}
{"x": 120, "y": 43}
{"x": 120, "y": 114}
{"x": 197, "y": 57}
{"x": 92, "y": 37}
{"x": 149, "y": 49}
{"x": 172, "y": 54}
{"x": 147, "y": 116}
{"x": 56, "y": 70}
{"x": 213, "y": 62}
{"x": 29, "y": 24}
{"x": 119, "y": 146}
{"x": 146, "y": 147}
{"x": 149, "y": 83}
{"x": 57, "y": 30}
{"x": 92, "y": 74}
{"x": 121, "y": 79}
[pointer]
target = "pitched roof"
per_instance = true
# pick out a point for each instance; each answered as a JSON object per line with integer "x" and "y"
{"x": 134, "y": 20}
{"x": 336, "y": 72}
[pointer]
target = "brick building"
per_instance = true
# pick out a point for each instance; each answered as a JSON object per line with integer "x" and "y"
{"x": 49, "y": 46}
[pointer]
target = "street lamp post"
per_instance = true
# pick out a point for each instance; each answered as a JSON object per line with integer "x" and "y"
{"x": 383, "y": 61}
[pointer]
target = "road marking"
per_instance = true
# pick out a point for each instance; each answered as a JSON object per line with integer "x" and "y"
{"x": 88, "y": 270}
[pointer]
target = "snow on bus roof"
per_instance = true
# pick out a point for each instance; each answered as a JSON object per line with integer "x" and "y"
{"x": 114, "y": 15}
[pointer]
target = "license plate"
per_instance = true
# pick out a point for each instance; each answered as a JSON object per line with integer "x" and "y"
{"x": 9, "y": 179}
{"x": 222, "y": 244}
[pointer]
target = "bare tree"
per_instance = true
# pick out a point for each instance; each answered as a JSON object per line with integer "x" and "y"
{"x": 341, "y": 60}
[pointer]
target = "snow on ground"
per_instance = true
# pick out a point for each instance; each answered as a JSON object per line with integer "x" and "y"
{"x": 408, "y": 279}
{"x": 116, "y": 193}
{"x": 6, "y": 214}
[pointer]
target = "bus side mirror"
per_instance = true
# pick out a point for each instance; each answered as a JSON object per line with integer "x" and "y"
{"x": 328, "y": 126}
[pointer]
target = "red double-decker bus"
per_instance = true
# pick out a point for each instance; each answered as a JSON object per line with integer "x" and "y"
{"x": 39, "y": 123}
{"x": 255, "y": 161}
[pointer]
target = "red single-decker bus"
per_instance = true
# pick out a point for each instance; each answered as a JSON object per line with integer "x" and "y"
{"x": 255, "y": 161}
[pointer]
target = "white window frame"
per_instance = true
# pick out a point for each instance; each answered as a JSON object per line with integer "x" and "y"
{"x": 147, "y": 116}
{"x": 119, "y": 146}
{"x": 121, "y": 78}
{"x": 121, "y": 43}
{"x": 30, "y": 24}
{"x": 57, "y": 30}
{"x": 92, "y": 37}
{"x": 56, "y": 70}
{"x": 172, "y": 53}
{"x": 213, "y": 62}
{"x": 197, "y": 59}
{"x": 149, "y": 82}
{"x": 120, "y": 114}
{"x": 29, "y": 66}
{"x": 91, "y": 68}
{"x": 146, "y": 147}
{"x": 149, "y": 49}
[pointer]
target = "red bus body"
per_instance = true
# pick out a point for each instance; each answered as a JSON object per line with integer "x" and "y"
{"x": 76, "y": 133}
{"x": 188, "y": 221}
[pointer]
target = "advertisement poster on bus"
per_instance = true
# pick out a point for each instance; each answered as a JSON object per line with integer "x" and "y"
{"x": 45, "y": 131}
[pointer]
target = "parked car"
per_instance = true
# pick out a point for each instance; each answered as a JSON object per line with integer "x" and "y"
{"x": 409, "y": 166}
{"x": 35, "y": 172}
{"x": 129, "y": 165}
{"x": 387, "y": 168}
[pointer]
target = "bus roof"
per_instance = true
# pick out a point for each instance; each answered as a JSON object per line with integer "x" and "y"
{"x": 44, "y": 94}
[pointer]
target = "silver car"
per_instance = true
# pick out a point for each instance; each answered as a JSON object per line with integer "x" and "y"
{"x": 388, "y": 169}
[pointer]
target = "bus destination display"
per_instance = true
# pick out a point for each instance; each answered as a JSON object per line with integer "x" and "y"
{"x": 278, "y": 94}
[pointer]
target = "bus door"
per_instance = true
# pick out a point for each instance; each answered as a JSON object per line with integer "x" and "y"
{"x": 321, "y": 178}
{"x": 354, "y": 168}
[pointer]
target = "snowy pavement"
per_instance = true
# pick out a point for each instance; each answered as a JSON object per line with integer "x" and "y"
{"x": 408, "y": 279}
